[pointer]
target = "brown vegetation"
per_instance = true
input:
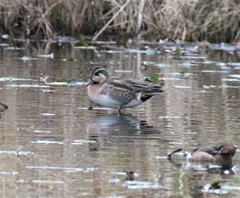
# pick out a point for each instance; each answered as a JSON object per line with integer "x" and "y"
{"x": 188, "y": 20}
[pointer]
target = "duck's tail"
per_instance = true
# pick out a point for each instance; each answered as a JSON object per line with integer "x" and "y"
{"x": 169, "y": 156}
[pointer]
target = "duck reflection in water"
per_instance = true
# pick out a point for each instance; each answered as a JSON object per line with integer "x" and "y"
{"x": 102, "y": 128}
{"x": 220, "y": 155}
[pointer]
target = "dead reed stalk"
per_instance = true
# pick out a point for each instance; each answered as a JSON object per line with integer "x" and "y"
{"x": 188, "y": 20}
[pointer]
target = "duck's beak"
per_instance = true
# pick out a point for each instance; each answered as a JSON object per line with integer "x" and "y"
{"x": 90, "y": 82}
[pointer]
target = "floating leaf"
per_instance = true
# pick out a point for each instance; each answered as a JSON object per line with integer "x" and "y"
{"x": 178, "y": 51}
{"x": 215, "y": 185}
{"x": 182, "y": 74}
{"x": 153, "y": 78}
{"x": 68, "y": 59}
{"x": 19, "y": 148}
{"x": 81, "y": 43}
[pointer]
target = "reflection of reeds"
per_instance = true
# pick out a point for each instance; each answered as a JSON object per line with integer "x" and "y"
{"x": 187, "y": 20}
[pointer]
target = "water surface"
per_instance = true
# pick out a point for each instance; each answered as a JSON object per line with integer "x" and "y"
{"x": 52, "y": 145}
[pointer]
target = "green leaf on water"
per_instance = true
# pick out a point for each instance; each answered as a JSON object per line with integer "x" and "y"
{"x": 215, "y": 185}
{"x": 81, "y": 43}
{"x": 182, "y": 74}
{"x": 153, "y": 78}
{"x": 178, "y": 51}
{"x": 19, "y": 148}
{"x": 69, "y": 59}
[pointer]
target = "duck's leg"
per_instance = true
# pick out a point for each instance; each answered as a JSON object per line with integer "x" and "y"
{"x": 119, "y": 110}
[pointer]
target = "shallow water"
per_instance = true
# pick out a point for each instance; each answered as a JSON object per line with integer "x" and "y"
{"x": 52, "y": 145}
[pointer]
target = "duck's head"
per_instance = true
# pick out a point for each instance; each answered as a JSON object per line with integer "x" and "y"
{"x": 99, "y": 75}
{"x": 228, "y": 149}
{"x": 224, "y": 158}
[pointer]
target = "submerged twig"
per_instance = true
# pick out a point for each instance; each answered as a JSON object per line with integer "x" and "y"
{"x": 45, "y": 79}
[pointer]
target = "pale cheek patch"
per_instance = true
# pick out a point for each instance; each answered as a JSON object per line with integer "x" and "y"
{"x": 96, "y": 79}
{"x": 102, "y": 78}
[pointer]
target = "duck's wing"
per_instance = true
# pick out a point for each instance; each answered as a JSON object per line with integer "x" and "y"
{"x": 118, "y": 90}
{"x": 212, "y": 150}
{"x": 118, "y": 83}
{"x": 148, "y": 88}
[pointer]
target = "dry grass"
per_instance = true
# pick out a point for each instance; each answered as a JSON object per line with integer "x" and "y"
{"x": 188, "y": 20}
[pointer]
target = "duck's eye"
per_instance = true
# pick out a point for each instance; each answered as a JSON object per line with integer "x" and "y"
{"x": 96, "y": 79}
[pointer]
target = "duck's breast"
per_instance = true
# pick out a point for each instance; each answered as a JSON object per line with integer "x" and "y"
{"x": 202, "y": 156}
{"x": 101, "y": 98}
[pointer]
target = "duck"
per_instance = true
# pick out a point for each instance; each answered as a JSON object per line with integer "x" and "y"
{"x": 219, "y": 154}
{"x": 119, "y": 93}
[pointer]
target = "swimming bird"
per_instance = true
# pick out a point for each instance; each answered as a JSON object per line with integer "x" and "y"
{"x": 220, "y": 154}
{"x": 118, "y": 93}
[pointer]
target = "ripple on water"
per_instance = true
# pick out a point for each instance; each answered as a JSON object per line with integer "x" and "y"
{"x": 46, "y": 142}
{"x": 16, "y": 152}
{"x": 41, "y": 181}
{"x": 142, "y": 185}
{"x": 65, "y": 169}
{"x": 27, "y": 86}
{"x": 8, "y": 173}
{"x": 42, "y": 131}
